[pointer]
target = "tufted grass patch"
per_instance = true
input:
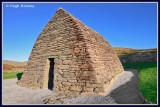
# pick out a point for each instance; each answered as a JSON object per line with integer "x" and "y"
{"x": 9, "y": 75}
{"x": 147, "y": 79}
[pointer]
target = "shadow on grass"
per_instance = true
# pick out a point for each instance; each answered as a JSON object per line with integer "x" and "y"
{"x": 139, "y": 65}
{"x": 19, "y": 75}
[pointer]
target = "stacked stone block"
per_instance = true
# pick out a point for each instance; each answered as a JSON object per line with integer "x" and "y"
{"x": 84, "y": 62}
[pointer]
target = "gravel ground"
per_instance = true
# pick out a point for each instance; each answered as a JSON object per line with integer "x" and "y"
{"x": 14, "y": 94}
{"x": 123, "y": 91}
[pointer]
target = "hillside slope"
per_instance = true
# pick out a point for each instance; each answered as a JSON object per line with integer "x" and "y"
{"x": 10, "y": 66}
{"x": 122, "y": 51}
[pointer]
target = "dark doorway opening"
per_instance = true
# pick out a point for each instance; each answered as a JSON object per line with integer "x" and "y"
{"x": 51, "y": 74}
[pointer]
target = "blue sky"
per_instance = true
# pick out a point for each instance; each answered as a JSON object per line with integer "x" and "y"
{"x": 130, "y": 25}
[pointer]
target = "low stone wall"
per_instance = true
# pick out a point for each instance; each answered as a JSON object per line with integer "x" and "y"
{"x": 139, "y": 57}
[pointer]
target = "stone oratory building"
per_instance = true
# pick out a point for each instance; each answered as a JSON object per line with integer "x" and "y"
{"x": 71, "y": 59}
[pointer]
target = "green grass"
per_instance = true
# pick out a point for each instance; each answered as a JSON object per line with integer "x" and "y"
{"x": 9, "y": 75}
{"x": 147, "y": 79}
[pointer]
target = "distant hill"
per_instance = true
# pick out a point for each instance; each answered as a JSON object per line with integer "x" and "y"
{"x": 11, "y": 66}
{"x": 122, "y": 51}
{"x": 14, "y": 63}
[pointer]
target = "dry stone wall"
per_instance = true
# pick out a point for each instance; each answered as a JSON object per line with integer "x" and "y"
{"x": 139, "y": 57}
{"x": 84, "y": 63}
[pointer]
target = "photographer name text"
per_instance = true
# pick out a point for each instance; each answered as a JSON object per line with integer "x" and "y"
{"x": 19, "y": 6}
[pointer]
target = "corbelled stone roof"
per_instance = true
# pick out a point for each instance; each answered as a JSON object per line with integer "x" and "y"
{"x": 80, "y": 61}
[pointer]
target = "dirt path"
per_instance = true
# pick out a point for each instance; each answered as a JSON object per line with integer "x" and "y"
{"x": 123, "y": 91}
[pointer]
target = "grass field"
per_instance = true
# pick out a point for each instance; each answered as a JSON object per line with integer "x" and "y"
{"x": 147, "y": 79}
{"x": 9, "y": 75}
